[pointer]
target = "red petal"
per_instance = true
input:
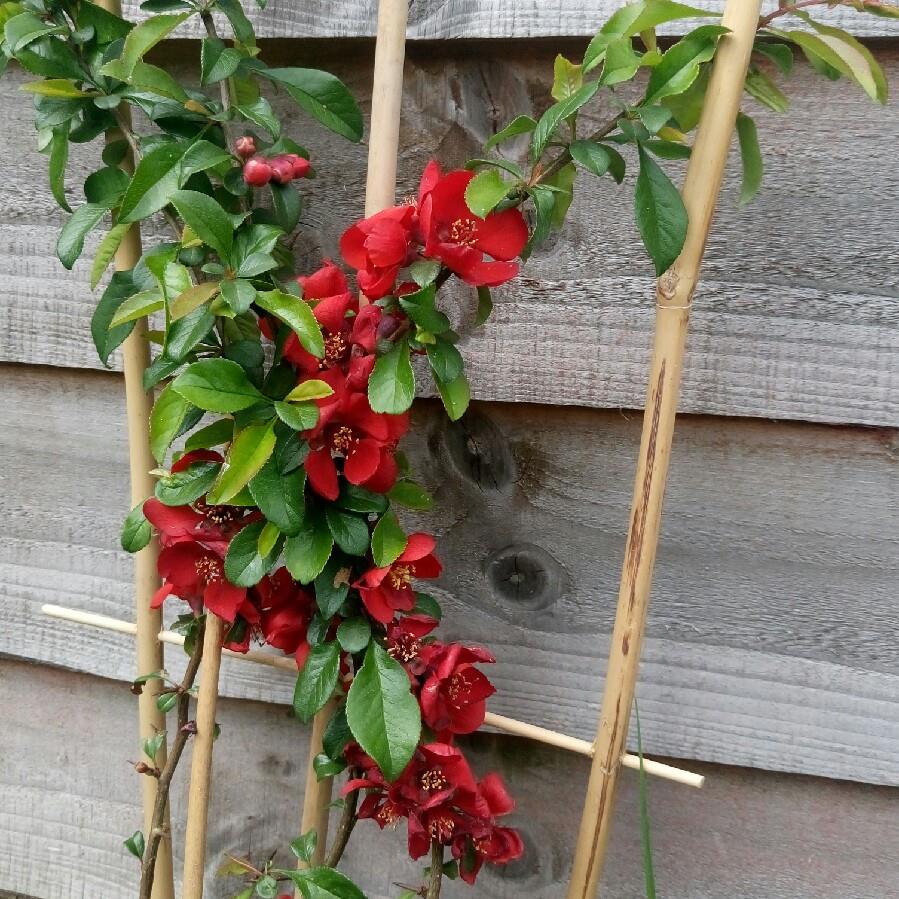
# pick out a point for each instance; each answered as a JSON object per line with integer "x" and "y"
{"x": 352, "y": 246}
{"x": 387, "y": 243}
{"x": 376, "y": 605}
{"x": 160, "y": 596}
{"x": 331, "y": 312}
{"x": 419, "y": 546}
{"x": 427, "y": 568}
{"x": 429, "y": 178}
{"x": 196, "y": 456}
{"x": 322, "y": 473}
{"x": 362, "y": 462}
{"x": 489, "y": 274}
{"x": 385, "y": 475}
{"x": 326, "y": 282}
{"x": 171, "y": 521}
{"x": 224, "y": 599}
{"x": 502, "y": 235}
{"x": 494, "y": 791}
{"x": 468, "y": 719}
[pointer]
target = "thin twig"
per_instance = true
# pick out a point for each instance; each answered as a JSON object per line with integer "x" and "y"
{"x": 344, "y": 828}
{"x": 565, "y": 156}
{"x": 786, "y": 9}
{"x": 154, "y": 838}
{"x": 436, "y": 870}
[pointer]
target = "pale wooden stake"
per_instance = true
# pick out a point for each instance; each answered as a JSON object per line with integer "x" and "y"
{"x": 201, "y": 760}
{"x": 675, "y": 293}
{"x": 149, "y": 656}
{"x": 380, "y": 192}
{"x": 500, "y": 722}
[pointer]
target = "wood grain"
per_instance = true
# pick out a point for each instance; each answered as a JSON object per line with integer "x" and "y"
{"x": 796, "y": 316}
{"x": 771, "y": 639}
{"x": 746, "y": 833}
{"x": 453, "y": 19}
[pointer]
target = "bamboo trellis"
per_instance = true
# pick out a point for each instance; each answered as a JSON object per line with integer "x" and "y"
{"x": 674, "y": 297}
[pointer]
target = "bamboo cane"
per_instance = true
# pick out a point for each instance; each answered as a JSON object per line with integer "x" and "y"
{"x": 380, "y": 192}
{"x": 500, "y": 722}
{"x": 150, "y": 656}
{"x": 201, "y": 760}
{"x": 675, "y": 293}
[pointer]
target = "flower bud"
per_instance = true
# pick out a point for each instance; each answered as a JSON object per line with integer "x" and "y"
{"x": 301, "y": 166}
{"x": 245, "y": 146}
{"x": 282, "y": 170}
{"x": 257, "y": 172}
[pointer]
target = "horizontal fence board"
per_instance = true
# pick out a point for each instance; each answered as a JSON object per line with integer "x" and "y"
{"x": 797, "y": 316}
{"x": 452, "y": 19}
{"x": 771, "y": 638}
{"x": 70, "y": 797}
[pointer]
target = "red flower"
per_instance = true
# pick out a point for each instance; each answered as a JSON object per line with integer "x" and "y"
{"x": 453, "y": 696}
{"x": 388, "y": 590}
{"x": 286, "y": 610}
{"x": 196, "y": 575}
{"x": 404, "y": 641}
{"x": 458, "y": 238}
{"x": 378, "y": 247}
{"x": 348, "y": 429}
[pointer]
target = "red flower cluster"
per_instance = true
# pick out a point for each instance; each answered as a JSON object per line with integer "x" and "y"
{"x": 441, "y": 801}
{"x": 438, "y": 226}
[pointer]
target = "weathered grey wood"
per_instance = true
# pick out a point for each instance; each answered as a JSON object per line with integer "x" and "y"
{"x": 70, "y": 798}
{"x": 771, "y": 635}
{"x": 451, "y": 19}
{"x": 797, "y": 316}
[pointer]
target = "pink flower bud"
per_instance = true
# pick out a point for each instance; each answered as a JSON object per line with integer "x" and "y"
{"x": 282, "y": 170}
{"x": 245, "y": 146}
{"x": 301, "y": 166}
{"x": 257, "y": 172}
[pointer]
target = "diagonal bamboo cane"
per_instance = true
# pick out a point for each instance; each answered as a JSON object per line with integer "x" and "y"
{"x": 380, "y": 192}
{"x": 150, "y": 656}
{"x": 675, "y": 293}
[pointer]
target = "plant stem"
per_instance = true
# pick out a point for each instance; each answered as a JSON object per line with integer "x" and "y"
{"x": 786, "y": 9}
{"x": 344, "y": 828}
{"x": 565, "y": 157}
{"x": 154, "y": 838}
{"x": 436, "y": 870}
{"x": 225, "y": 85}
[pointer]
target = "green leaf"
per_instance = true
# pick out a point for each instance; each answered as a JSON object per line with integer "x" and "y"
{"x": 153, "y": 183}
{"x": 241, "y": 25}
{"x": 304, "y": 847}
{"x": 456, "y": 396}
{"x": 312, "y": 389}
{"x": 216, "y": 434}
{"x": 427, "y": 605}
{"x": 332, "y": 586}
{"x": 485, "y": 191}
{"x": 556, "y": 114}
{"x": 107, "y": 26}
{"x": 192, "y": 298}
{"x": 106, "y": 251}
{"x": 268, "y": 538}
{"x": 780, "y": 54}
{"x": 445, "y": 360}
{"x": 522, "y": 124}
{"x": 184, "y": 334}
{"x": 107, "y": 339}
{"x": 382, "y": 712}
{"x": 391, "y": 387}
{"x": 324, "y": 97}
{"x": 298, "y": 416}
{"x": 286, "y": 206}
{"x": 245, "y": 565}
{"x": 621, "y": 62}
{"x": 424, "y": 271}
{"x": 354, "y": 634}
{"x": 136, "y": 530}
{"x": 23, "y": 29}
{"x": 59, "y": 156}
{"x": 763, "y": 89}
{"x": 183, "y": 487}
{"x": 297, "y": 315}
{"x": 419, "y": 306}
{"x": 238, "y": 294}
{"x": 645, "y": 826}
{"x": 337, "y": 734}
{"x": 751, "y": 155}
{"x": 71, "y": 238}
{"x": 51, "y": 58}
{"x": 217, "y": 61}
{"x": 280, "y": 497}
{"x": 137, "y": 306}
{"x": 142, "y": 38}
{"x": 317, "y": 680}
{"x": 654, "y": 117}
{"x": 166, "y": 418}
{"x": 200, "y": 156}
{"x": 153, "y": 744}
{"x": 358, "y": 499}
{"x": 567, "y": 78}
{"x": 207, "y": 220}
{"x": 267, "y": 887}
{"x": 388, "y": 540}
{"x": 633, "y": 18}
{"x": 150, "y": 79}
{"x": 324, "y": 883}
{"x": 325, "y": 767}
{"x": 306, "y": 553}
{"x": 260, "y": 113}
{"x": 593, "y": 157}
{"x": 411, "y": 495}
{"x": 681, "y": 63}
{"x": 660, "y": 212}
{"x": 250, "y": 450}
{"x": 135, "y": 845}
{"x": 485, "y": 306}
{"x": 350, "y": 532}
{"x": 217, "y": 385}
{"x": 544, "y": 203}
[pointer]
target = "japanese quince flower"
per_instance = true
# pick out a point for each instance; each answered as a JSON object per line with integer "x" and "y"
{"x": 404, "y": 641}
{"x": 453, "y": 695}
{"x": 286, "y": 610}
{"x": 379, "y": 246}
{"x": 348, "y": 429}
{"x": 459, "y": 239}
{"x": 388, "y": 590}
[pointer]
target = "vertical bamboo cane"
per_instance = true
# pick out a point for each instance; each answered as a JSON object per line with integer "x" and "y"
{"x": 675, "y": 293}
{"x": 150, "y": 656}
{"x": 201, "y": 760}
{"x": 380, "y": 192}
